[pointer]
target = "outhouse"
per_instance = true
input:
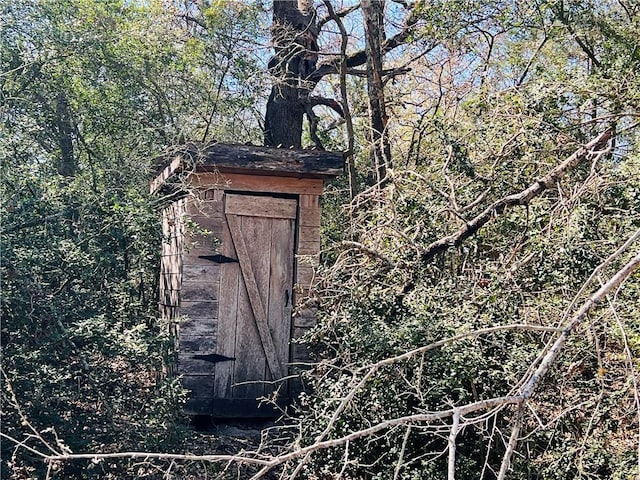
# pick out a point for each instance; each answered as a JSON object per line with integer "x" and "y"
{"x": 241, "y": 228}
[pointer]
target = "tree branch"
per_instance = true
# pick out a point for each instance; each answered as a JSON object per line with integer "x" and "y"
{"x": 550, "y": 357}
{"x": 327, "y": 102}
{"x": 513, "y": 441}
{"x": 585, "y": 48}
{"x": 339, "y": 14}
{"x": 521, "y": 198}
{"x": 359, "y": 58}
{"x": 458, "y": 413}
{"x": 344, "y": 40}
{"x": 453, "y": 433}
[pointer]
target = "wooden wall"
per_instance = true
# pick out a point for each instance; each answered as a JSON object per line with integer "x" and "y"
{"x": 200, "y": 289}
{"x": 171, "y": 263}
{"x": 190, "y": 285}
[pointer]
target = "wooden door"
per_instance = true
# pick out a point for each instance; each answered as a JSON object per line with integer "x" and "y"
{"x": 254, "y": 321}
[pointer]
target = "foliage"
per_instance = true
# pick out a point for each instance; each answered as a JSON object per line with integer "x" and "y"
{"x": 483, "y": 98}
{"x": 473, "y": 126}
{"x": 91, "y": 91}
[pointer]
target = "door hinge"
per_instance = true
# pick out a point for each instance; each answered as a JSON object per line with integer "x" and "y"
{"x": 213, "y": 358}
{"x": 219, "y": 258}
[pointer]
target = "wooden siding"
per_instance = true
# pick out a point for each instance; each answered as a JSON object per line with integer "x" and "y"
{"x": 192, "y": 287}
{"x": 173, "y": 231}
{"x": 256, "y": 183}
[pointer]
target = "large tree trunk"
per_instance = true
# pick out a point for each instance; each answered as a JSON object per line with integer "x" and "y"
{"x": 294, "y": 67}
{"x": 294, "y": 35}
{"x": 373, "y": 12}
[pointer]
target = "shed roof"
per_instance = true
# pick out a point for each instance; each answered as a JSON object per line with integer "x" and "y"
{"x": 249, "y": 159}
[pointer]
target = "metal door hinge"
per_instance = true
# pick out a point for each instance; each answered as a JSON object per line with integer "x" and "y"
{"x": 219, "y": 258}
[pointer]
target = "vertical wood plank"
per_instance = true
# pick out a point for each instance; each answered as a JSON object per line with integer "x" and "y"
{"x": 256, "y": 232}
{"x": 227, "y": 318}
{"x": 281, "y": 292}
{"x": 257, "y": 306}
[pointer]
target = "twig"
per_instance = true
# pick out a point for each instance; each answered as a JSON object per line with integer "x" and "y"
{"x": 577, "y": 319}
{"x": 632, "y": 371}
{"x": 344, "y": 40}
{"x": 399, "y": 463}
{"x": 372, "y": 253}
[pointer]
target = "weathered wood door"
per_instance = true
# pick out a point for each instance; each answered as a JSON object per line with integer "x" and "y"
{"x": 254, "y": 318}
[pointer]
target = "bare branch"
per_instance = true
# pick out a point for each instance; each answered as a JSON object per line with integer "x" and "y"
{"x": 453, "y": 433}
{"x": 359, "y": 58}
{"x": 461, "y": 413}
{"x": 551, "y": 355}
{"x": 631, "y": 369}
{"x": 581, "y": 43}
{"x": 336, "y": 15}
{"x": 522, "y": 198}
{"x": 327, "y": 102}
{"x": 344, "y": 40}
{"x": 239, "y": 458}
{"x": 372, "y": 253}
{"x": 513, "y": 441}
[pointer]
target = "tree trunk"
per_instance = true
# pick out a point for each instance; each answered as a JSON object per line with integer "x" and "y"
{"x": 294, "y": 34}
{"x": 373, "y": 12}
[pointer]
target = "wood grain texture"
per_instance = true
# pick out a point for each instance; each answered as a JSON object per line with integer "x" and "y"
{"x": 258, "y": 183}
{"x": 199, "y": 291}
{"x": 307, "y": 233}
{"x": 253, "y": 292}
{"x": 199, "y": 309}
{"x": 197, "y": 343}
{"x": 187, "y": 365}
{"x": 305, "y": 275}
{"x": 268, "y": 207}
{"x": 201, "y": 386}
{"x": 300, "y": 353}
{"x": 309, "y": 201}
{"x": 305, "y": 318}
{"x": 227, "y": 317}
{"x": 250, "y": 368}
{"x": 281, "y": 291}
{"x": 197, "y": 326}
{"x": 203, "y": 273}
{"x": 310, "y": 216}
{"x": 170, "y": 281}
{"x": 264, "y": 160}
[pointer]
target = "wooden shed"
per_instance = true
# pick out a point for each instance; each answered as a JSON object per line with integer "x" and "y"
{"x": 237, "y": 257}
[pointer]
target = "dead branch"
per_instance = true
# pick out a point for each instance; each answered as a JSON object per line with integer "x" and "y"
{"x": 344, "y": 40}
{"x": 372, "y": 253}
{"x": 631, "y": 369}
{"x": 240, "y": 458}
{"x": 522, "y": 198}
{"x": 459, "y": 414}
{"x": 551, "y": 355}
{"x": 513, "y": 441}
{"x": 333, "y": 15}
{"x": 359, "y": 58}
{"x": 453, "y": 433}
